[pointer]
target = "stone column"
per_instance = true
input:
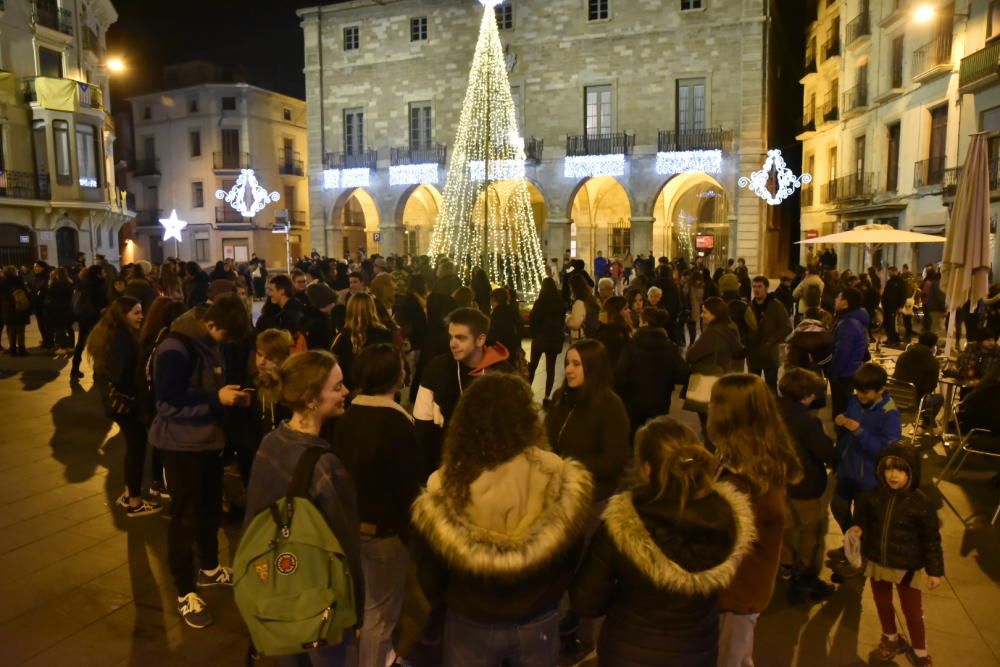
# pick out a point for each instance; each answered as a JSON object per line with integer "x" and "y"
{"x": 558, "y": 238}
{"x": 392, "y": 240}
{"x": 642, "y": 235}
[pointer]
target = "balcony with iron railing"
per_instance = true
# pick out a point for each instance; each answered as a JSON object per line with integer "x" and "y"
{"x": 859, "y": 27}
{"x": 831, "y": 112}
{"x": 147, "y": 166}
{"x": 933, "y": 58}
{"x": 807, "y": 195}
{"x": 810, "y": 58}
{"x": 227, "y": 215}
{"x": 852, "y": 187}
{"x": 149, "y": 217}
{"x": 856, "y": 99}
{"x": 832, "y": 46}
{"x": 928, "y": 172}
{"x": 980, "y": 68}
{"x": 808, "y": 119}
{"x": 24, "y": 185}
{"x": 49, "y": 15}
{"x": 436, "y": 154}
{"x": 226, "y": 161}
{"x": 713, "y": 138}
{"x": 533, "y": 149}
{"x": 607, "y": 143}
{"x": 290, "y": 163}
{"x": 364, "y": 159}
{"x": 56, "y": 90}
{"x": 92, "y": 42}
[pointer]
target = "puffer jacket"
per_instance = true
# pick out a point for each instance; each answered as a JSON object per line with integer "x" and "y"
{"x": 655, "y": 572}
{"x": 850, "y": 340}
{"x": 858, "y": 452}
{"x": 508, "y": 556}
{"x": 646, "y": 373}
{"x": 717, "y": 351}
{"x": 810, "y": 346}
{"x": 900, "y": 529}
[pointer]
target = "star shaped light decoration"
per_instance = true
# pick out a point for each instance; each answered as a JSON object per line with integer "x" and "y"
{"x": 172, "y": 226}
{"x": 237, "y": 196}
{"x": 787, "y": 181}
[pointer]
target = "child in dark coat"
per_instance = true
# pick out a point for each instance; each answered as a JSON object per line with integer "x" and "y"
{"x": 901, "y": 542}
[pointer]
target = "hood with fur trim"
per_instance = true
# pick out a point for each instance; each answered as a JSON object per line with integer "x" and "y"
{"x": 521, "y": 515}
{"x": 633, "y": 540}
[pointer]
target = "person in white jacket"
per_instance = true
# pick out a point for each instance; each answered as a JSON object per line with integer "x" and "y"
{"x": 584, "y": 316}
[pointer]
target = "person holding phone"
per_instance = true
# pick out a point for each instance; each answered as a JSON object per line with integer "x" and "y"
{"x": 187, "y": 429}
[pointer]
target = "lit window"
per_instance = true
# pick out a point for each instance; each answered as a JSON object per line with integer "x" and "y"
{"x": 352, "y": 38}
{"x": 60, "y": 133}
{"x": 86, "y": 155}
{"x": 598, "y": 10}
{"x": 418, "y": 29}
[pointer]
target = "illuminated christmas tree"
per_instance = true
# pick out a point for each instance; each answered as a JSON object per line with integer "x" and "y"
{"x": 486, "y": 218}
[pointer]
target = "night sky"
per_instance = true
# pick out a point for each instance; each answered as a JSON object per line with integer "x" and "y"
{"x": 262, "y": 36}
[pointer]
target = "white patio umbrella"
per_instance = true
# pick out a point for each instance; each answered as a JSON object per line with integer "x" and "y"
{"x": 874, "y": 235}
{"x": 965, "y": 267}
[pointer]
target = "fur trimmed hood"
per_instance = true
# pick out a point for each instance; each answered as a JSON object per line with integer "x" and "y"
{"x": 633, "y": 540}
{"x": 521, "y": 515}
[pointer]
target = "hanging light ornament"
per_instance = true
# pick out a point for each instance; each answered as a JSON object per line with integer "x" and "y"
{"x": 236, "y": 197}
{"x": 787, "y": 181}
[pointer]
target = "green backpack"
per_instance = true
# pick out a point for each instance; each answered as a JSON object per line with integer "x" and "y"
{"x": 290, "y": 578}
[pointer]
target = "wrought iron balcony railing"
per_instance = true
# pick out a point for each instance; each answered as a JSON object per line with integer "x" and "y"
{"x": 714, "y": 138}
{"x": 853, "y": 186}
{"x": 929, "y": 171}
{"x": 980, "y": 65}
{"x": 935, "y": 53}
{"x": 358, "y": 160}
{"x": 48, "y": 14}
{"x": 149, "y": 166}
{"x": 149, "y": 217}
{"x": 230, "y": 161}
{"x": 436, "y": 154}
{"x": 856, "y": 98}
{"x": 533, "y": 149}
{"x": 860, "y": 26}
{"x": 24, "y": 185}
{"x": 608, "y": 143}
{"x": 227, "y": 215}
{"x": 290, "y": 163}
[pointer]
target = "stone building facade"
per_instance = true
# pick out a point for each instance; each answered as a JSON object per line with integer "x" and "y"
{"x": 881, "y": 122}
{"x": 58, "y": 194}
{"x": 638, "y": 119}
{"x": 194, "y": 140}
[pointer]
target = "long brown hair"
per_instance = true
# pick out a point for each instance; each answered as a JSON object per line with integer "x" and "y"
{"x": 162, "y": 312}
{"x": 361, "y": 316}
{"x": 495, "y": 421}
{"x": 675, "y": 456}
{"x": 746, "y": 427}
{"x": 298, "y": 381}
{"x": 107, "y": 331}
{"x": 597, "y": 374}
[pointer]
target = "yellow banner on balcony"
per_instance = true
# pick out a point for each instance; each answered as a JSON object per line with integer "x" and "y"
{"x": 8, "y": 88}
{"x": 56, "y": 94}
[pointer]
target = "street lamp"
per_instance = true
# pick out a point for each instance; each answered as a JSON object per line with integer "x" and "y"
{"x": 927, "y": 13}
{"x": 116, "y": 65}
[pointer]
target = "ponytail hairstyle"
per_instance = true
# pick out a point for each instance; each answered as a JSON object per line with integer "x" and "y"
{"x": 676, "y": 458}
{"x": 299, "y": 380}
{"x": 745, "y": 426}
{"x": 101, "y": 342}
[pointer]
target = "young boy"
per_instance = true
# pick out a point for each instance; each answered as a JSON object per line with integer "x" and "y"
{"x": 864, "y": 431}
{"x": 806, "y": 511}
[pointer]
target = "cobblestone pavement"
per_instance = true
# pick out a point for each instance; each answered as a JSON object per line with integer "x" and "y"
{"x": 82, "y": 585}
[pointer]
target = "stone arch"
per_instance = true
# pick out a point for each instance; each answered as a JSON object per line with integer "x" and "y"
{"x": 416, "y": 214}
{"x": 357, "y": 217}
{"x": 539, "y": 207}
{"x": 688, "y": 204}
{"x": 600, "y": 213}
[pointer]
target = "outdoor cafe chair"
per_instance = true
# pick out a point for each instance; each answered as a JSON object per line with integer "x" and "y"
{"x": 909, "y": 403}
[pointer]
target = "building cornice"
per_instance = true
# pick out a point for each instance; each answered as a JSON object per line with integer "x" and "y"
{"x": 200, "y": 86}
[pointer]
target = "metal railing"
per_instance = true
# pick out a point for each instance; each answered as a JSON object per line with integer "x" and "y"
{"x": 831, "y": 111}
{"x": 809, "y": 119}
{"x": 149, "y": 217}
{"x": 832, "y": 47}
{"x": 290, "y": 163}
{"x": 230, "y": 161}
{"x": 48, "y": 14}
{"x": 932, "y": 54}
{"x": 360, "y": 160}
{"x": 88, "y": 95}
{"x": 533, "y": 149}
{"x": 436, "y": 154}
{"x": 149, "y": 166}
{"x": 713, "y": 138}
{"x": 860, "y": 26}
{"x": 807, "y": 195}
{"x": 929, "y": 171}
{"x": 856, "y": 98}
{"x": 853, "y": 186}
{"x": 227, "y": 215}
{"x": 296, "y": 217}
{"x": 92, "y": 42}
{"x": 22, "y": 185}
{"x": 810, "y": 57}
{"x": 980, "y": 65}
{"x": 608, "y": 143}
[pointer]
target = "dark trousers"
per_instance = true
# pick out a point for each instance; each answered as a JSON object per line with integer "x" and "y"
{"x": 44, "y": 329}
{"x": 134, "y": 432}
{"x": 840, "y": 393}
{"x": 842, "y": 503}
{"x": 81, "y": 343}
{"x": 889, "y": 324}
{"x": 15, "y": 336}
{"x": 770, "y": 371}
{"x": 550, "y": 366}
{"x": 908, "y": 327}
{"x": 62, "y": 336}
{"x": 195, "y": 482}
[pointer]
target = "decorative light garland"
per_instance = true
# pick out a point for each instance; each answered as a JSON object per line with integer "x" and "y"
{"x": 683, "y": 162}
{"x": 413, "y": 174}
{"x": 586, "y": 166}
{"x": 236, "y": 197}
{"x": 500, "y": 170}
{"x": 787, "y": 181}
{"x": 334, "y": 179}
{"x": 172, "y": 226}
{"x": 489, "y": 222}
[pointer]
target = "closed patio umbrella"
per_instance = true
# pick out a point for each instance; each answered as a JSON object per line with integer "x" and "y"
{"x": 965, "y": 266}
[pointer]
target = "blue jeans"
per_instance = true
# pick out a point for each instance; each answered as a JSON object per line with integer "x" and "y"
{"x": 385, "y": 562}
{"x": 531, "y": 644}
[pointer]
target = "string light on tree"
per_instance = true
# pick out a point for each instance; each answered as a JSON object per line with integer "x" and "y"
{"x": 486, "y": 217}
{"x": 236, "y": 197}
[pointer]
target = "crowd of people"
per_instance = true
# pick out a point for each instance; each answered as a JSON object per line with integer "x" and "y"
{"x": 477, "y": 527}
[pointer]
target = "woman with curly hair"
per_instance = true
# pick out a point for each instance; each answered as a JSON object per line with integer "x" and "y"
{"x": 756, "y": 455}
{"x": 113, "y": 347}
{"x": 362, "y": 328}
{"x": 499, "y": 530}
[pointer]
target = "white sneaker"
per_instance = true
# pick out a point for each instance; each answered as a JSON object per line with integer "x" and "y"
{"x": 194, "y": 611}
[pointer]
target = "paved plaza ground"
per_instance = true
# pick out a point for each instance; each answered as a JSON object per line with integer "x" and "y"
{"x": 82, "y": 585}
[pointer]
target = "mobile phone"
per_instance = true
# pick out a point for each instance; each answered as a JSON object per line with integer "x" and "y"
{"x": 248, "y": 389}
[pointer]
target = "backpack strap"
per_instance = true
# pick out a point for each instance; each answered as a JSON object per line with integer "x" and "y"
{"x": 302, "y": 477}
